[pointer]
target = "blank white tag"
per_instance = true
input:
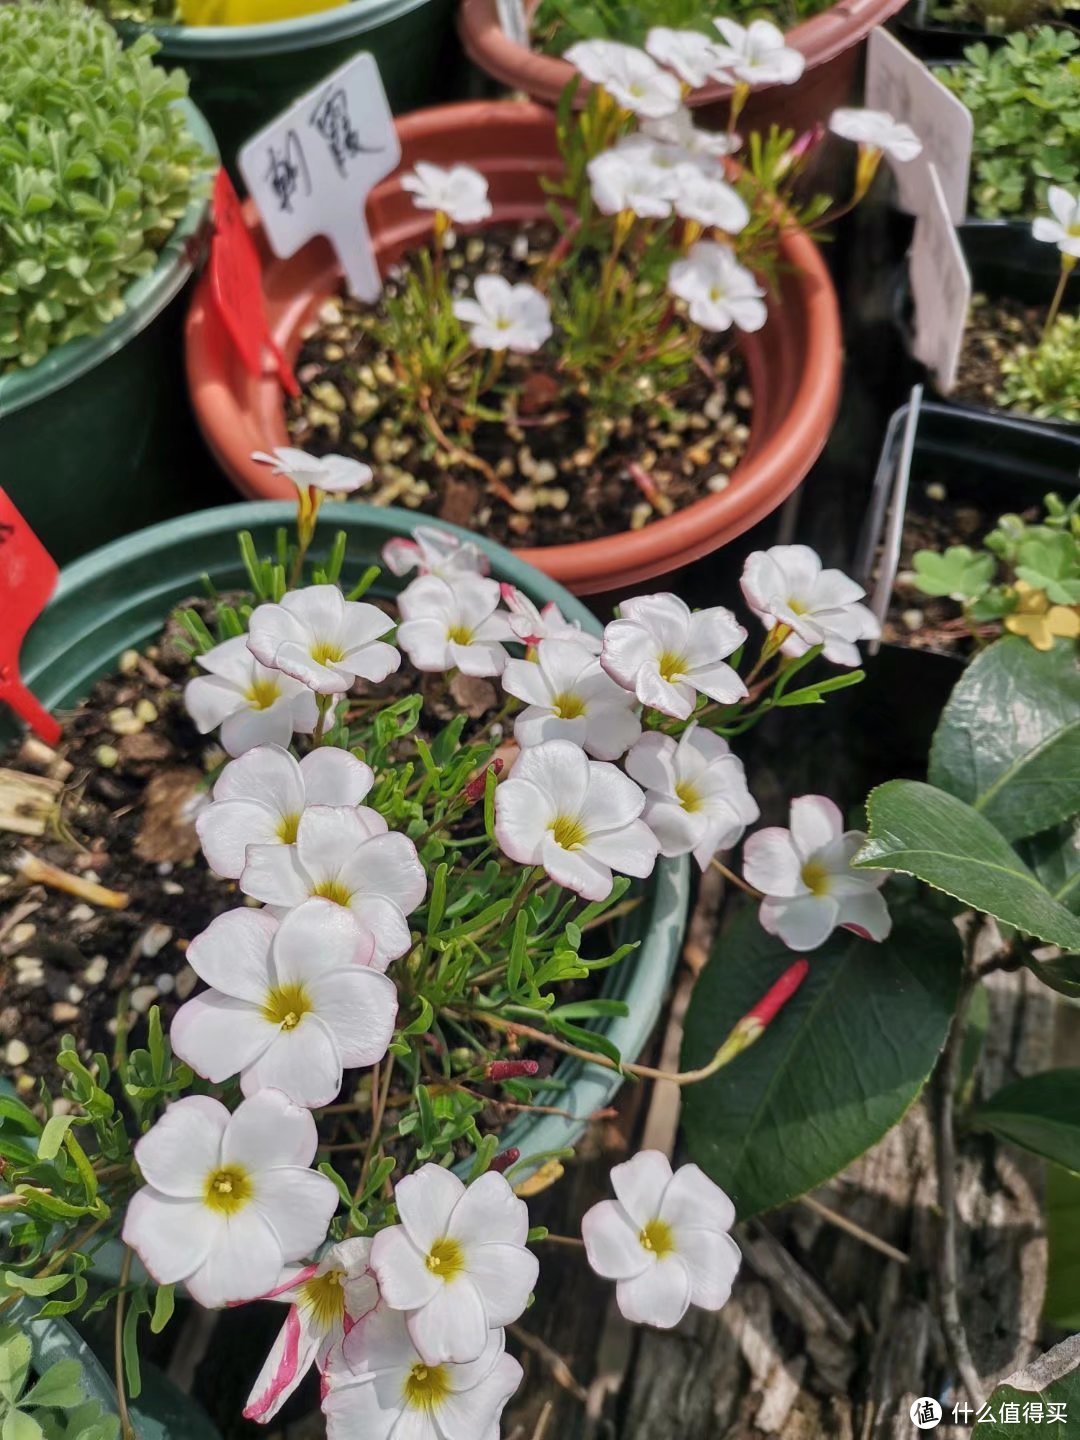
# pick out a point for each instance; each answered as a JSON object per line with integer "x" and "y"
{"x": 900, "y": 83}
{"x": 940, "y": 287}
{"x": 512, "y": 20}
{"x": 310, "y": 170}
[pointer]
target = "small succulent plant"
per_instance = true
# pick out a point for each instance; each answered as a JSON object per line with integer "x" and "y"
{"x": 1024, "y": 98}
{"x": 1044, "y": 380}
{"x": 99, "y": 165}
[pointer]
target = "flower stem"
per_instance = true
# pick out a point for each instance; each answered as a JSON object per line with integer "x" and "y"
{"x": 736, "y": 880}
{"x": 325, "y": 705}
{"x": 1067, "y": 264}
{"x": 126, "y": 1429}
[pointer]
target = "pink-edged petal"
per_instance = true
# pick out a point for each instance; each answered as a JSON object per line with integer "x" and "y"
{"x": 319, "y": 938}
{"x": 425, "y": 1202}
{"x": 452, "y": 1326}
{"x": 652, "y": 762}
{"x": 274, "y": 875}
{"x": 171, "y": 1237}
{"x": 866, "y": 914}
{"x": 611, "y": 1242}
{"x": 676, "y": 699}
{"x": 559, "y": 770}
{"x": 803, "y": 923}
{"x": 659, "y": 1296}
{"x": 488, "y": 1213}
{"x": 523, "y": 813}
{"x": 298, "y": 1205}
{"x": 219, "y": 1036}
{"x": 474, "y": 1414}
{"x": 227, "y": 827}
{"x": 243, "y": 1261}
{"x": 692, "y": 1199}
{"x": 631, "y": 851}
{"x": 248, "y": 728}
{"x": 405, "y": 1282}
{"x": 373, "y": 661}
{"x": 268, "y": 774}
{"x": 359, "y": 1007}
{"x": 183, "y": 1147}
{"x": 332, "y": 776}
{"x": 815, "y": 823}
{"x": 772, "y": 864}
{"x": 387, "y": 926}
{"x": 209, "y": 700}
{"x": 268, "y": 1130}
{"x": 676, "y": 830}
{"x": 719, "y": 682}
{"x": 326, "y": 836}
{"x": 525, "y": 681}
{"x": 233, "y": 953}
{"x": 386, "y": 866}
{"x": 613, "y": 800}
{"x": 640, "y": 1183}
{"x": 303, "y": 1063}
{"x": 291, "y": 1357}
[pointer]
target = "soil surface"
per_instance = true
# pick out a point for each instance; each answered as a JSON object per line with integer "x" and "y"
{"x": 681, "y": 448}
{"x": 995, "y": 329}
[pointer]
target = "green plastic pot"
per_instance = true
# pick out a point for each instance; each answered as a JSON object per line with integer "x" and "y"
{"x": 97, "y": 439}
{"x": 242, "y": 76}
{"x": 118, "y": 598}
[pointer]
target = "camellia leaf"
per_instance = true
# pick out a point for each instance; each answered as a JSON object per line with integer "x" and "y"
{"x": 1055, "y": 857}
{"x": 1040, "y": 1113}
{"x": 1009, "y": 739}
{"x": 939, "y": 839}
{"x": 836, "y": 1069}
{"x": 1052, "y": 1383}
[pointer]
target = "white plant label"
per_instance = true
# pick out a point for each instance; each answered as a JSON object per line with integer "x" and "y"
{"x": 310, "y": 170}
{"x": 512, "y": 20}
{"x": 900, "y": 83}
{"x": 940, "y": 288}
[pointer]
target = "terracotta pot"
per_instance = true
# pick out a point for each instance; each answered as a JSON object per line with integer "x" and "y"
{"x": 793, "y": 363}
{"x": 832, "y": 43}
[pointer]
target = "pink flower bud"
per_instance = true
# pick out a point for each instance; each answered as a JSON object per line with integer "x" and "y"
{"x": 474, "y": 790}
{"x": 500, "y": 1070}
{"x": 505, "y": 1160}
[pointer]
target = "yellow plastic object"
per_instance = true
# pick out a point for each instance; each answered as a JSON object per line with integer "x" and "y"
{"x": 250, "y": 12}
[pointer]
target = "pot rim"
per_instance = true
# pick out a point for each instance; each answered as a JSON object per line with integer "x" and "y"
{"x": 275, "y": 37}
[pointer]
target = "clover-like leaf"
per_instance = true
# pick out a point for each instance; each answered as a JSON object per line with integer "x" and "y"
{"x": 960, "y": 573}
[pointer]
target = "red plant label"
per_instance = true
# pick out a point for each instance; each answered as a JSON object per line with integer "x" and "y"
{"x": 27, "y": 578}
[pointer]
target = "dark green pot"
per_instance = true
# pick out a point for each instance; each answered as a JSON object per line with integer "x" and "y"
{"x": 97, "y": 438}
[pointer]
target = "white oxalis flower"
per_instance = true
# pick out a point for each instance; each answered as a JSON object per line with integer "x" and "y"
{"x": 320, "y": 638}
{"x": 719, "y": 292}
{"x": 253, "y": 704}
{"x": 383, "y": 1389}
{"x": 326, "y": 1300}
{"x": 505, "y": 316}
{"x": 876, "y": 130}
{"x": 626, "y": 179}
{"x": 666, "y": 653}
{"x": 690, "y": 54}
{"x": 578, "y": 818}
{"x": 1064, "y": 229}
{"x": 453, "y": 622}
{"x": 259, "y": 798}
{"x": 630, "y": 77}
{"x": 664, "y": 1240}
{"x": 787, "y": 586}
{"x": 696, "y": 797}
{"x": 458, "y": 1262}
{"x": 336, "y": 474}
{"x": 432, "y": 551}
{"x": 806, "y": 877}
{"x": 531, "y": 625}
{"x": 709, "y": 200}
{"x": 346, "y": 854}
{"x": 460, "y": 193}
{"x": 291, "y": 1005}
{"x": 680, "y": 131}
{"x": 756, "y": 54}
{"x": 569, "y": 697}
{"x": 229, "y": 1199}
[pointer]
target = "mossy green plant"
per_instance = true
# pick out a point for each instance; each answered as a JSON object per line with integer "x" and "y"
{"x": 1044, "y": 380}
{"x": 99, "y": 165}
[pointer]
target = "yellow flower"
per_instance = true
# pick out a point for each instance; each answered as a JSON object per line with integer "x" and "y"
{"x": 248, "y": 12}
{"x": 1040, "y": 622}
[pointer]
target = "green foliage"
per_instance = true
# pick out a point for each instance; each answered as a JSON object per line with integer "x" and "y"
{"x": 1040, "y": 1113}
{"x": 1053, "y": 1380}
{"x": 834, "y": 1071}
{"x": 997, "y": 17}
{"x": 960, "y": 573}
{"x": 52, "y": 1406}
{"x": 1025, "y": 101}
{"x": 98, "y": 167}
{"x": 1044, "y": 380}
{"x": 1061, "y": 1307}
{"x": 558, "y": 24}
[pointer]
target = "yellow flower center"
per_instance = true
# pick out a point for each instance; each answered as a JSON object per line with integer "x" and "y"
{"x": 459, "y": 634}
{"x": 797, "y": 607}
{"x": 324, "y": 1299}
{"x": 333, "y": 890}
{"x": 656, "y": 1237}
{"x": 567, "y": 832}
{"x": 671, "y": 665}
{"x": 261, "y": 694}
{"x": 286, "y": 1005}
{"x": 326, "y": 652}
{"x": 445, "y": 1258}
{"x": 688, "y": 795}
{"x": 227, "y": 1190}
{"x": 568, "y": 706}
{"x": 427, "y": 1386}
{"x": 287, "y": 827}
{"x": 815, "y": 877}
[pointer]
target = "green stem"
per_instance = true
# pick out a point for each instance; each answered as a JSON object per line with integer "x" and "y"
{"x": 1067, "y": 263}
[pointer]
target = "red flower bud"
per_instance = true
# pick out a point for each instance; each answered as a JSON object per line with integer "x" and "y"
{"x": 474, "y": 790}
{"x": 500, "y": 1070}
{"x": 505, "y": 1160}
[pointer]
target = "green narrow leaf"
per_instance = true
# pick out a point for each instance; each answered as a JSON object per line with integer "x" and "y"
{"x": 1061, "y": 1306}
{"x": 1040, "y": 1113}
{"x": 164, "y": 1304}
{"x": 52, "y": 1137}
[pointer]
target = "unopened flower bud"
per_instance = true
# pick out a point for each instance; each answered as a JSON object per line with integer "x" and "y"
{"x": 505, "y": 1159}
{"x": 500, "y": 1070}
{"x": 474, "y": 790}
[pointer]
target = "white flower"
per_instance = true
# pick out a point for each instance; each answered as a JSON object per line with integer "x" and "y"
{"x": 665, "y": 653}
{"x": 325, "y": 1301}
{"x": 505, "y": 316}
{"x": 578, "y": 818}
{"x": 432, "y": 551}
{"x": 382, "y": 1389}
{"x": 253, "y": 704}
{"x": 460, "y": 193}
{"x": 664, "y": 1240}
{"x": 756, "y": 54}
{"x": 336, "y": 474}
{"x": 569, "y": 697}
{"x": 290, "y": 1007}
{"x": 690, "y": 54}
{"x": 709, "y": 200}
{"x": 345, "y": 854}
{"x": 876, "y": 130}
{"x": 786, "y": 585}
{"x": 453, "y": 622}
{"x": 457, "y": 1263}
{"x": 679, "y": 130}
{"x": 696, "y": 798}
{"x": 629, "y": 76}
{"x": 625, "y": 180}
{"x": 806, "y": 877}
{"x": 228, "y": 1199}
{"x": 320, "y": 638}
{"x": 1064, "y": 230}
{"x": 531, "y": 625}
{"x": 258, "y": 800}
{"x": 718, "y": 290}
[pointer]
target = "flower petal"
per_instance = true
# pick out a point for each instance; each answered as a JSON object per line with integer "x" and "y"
{"x": 243, "y": 1262}
{"x": 425, "y": 1201}
{"x": 611, "y": 1242}
{"x": 405, "y": 1282}
{"x": 183, "y": 1147}
{"x": 692, "y": 1199}
{"x": 275, "y": 875}
{"x": 297, "y": 1204}
{"x": 452, "y": 1326}
{"x": 304, "y": 1063}
{"x": 713, "y": 1260}
{"x": 333, "y": 776}
{"x": 505, "y": 1275}
{"x": 219, "y": 1036}
{"x": 291, "y": 1357}
{"x": 268, "y": 1130}
{"x": 659, "y": 1296}
{"x": 227, "y": 827}
{"x": 171, "y": 1237}
{"x": 319, "y": 938}
{"x": 640, "y": 1183}
{"x": 815, "y": 822}
{"x": 489, "y": 1212}
{"x": 803, "y": 923}
{"x": 359, "y": 1006}
{"x": 474, "y": 1413}
{"x": 772, "y": 864}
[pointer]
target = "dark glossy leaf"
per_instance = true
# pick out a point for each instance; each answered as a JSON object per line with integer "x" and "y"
{"x": 1041, "y": 1113}
{"x": 1062, "y": 1204}
{"x": 1054, "y": 855}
